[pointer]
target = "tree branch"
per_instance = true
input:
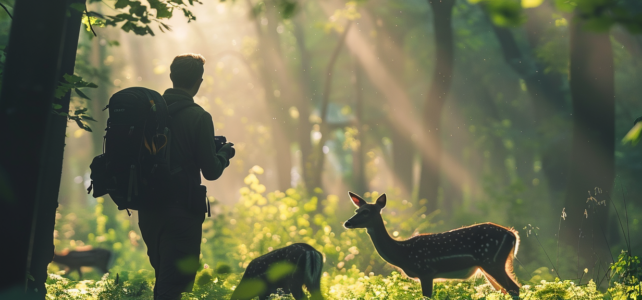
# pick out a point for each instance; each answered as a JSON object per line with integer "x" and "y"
{"x": 328, "y": 74}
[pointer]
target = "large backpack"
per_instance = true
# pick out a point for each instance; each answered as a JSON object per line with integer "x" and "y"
{"x": 134, "y": 168}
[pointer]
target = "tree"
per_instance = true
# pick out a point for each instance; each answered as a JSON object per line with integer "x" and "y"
{"x": 592, "y": 150}
{"x": 549, "y": 98}
{"x": 592, "y": 86}
{"x": 54, "y": 145}
{"x": 437, "y": 95}
{"x": 40, "y": 246}
{"x": 29, "y": 80}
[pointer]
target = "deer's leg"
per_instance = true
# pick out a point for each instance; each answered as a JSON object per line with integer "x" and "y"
{"x": 501, "y": 277}
{"x": 297, "y": 292}
{"x": 426, "y": 286}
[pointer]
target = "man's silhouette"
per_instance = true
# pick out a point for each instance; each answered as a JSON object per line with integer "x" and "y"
{"x": 172, "y": 229}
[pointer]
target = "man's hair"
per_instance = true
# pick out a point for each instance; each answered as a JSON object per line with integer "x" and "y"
{"x": 187, "y": 69}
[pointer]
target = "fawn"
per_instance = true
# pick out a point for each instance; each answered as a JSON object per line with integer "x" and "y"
{"x": 84, "y": 257}
{"x": 287, "y": 268}
{"x": 456, "y": 254}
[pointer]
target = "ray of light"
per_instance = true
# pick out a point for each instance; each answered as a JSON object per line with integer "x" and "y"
{"x": 400, "y": 106}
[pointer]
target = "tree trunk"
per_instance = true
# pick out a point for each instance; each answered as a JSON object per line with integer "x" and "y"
{"x": 393, "y": 57}
{"x": 317, "y": 152}
{"x": 29, "y": 80}
{"x": 358, "y": 156}
{"x": 548, "y": 99}
{"x": 43, "y": 246}
{"x": 439, "y": 89}
{"x": 304, "y": 128}
{"x": 269, "y": 48}
{"x": 592, "y": 151}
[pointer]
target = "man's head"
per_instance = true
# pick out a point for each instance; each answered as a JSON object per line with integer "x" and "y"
{"x": 186, "y": 72}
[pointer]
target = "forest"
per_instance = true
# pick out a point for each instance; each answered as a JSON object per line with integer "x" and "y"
{"x": 448, "y": 113}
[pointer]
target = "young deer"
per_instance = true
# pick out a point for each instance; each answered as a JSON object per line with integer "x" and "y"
{"x": 456, "y": 254}
{"x": 84, "y": 257}
{"x": 287, "y": 268}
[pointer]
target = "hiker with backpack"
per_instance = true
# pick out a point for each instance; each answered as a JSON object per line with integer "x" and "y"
{"x": 156, "y": 148}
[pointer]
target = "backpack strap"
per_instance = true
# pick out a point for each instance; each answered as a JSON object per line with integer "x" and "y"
{"x": 176, "y": 107}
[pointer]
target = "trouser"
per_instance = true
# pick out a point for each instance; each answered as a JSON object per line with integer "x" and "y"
{"x": 173, "y": 239}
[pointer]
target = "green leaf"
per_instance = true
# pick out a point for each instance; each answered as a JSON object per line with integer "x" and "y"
{"x": 122, "y": 4}
{"x": 80, "y": 111}
{"x": 82, "y": 125}
{"x": 81, "y": 94}
{"x": 72, "y": 78}
{"x": 633, "y": 136}
{"x": 162, "y": 10}
{"x": 88, "y": 117}
{"x": 78, "y": 6}
{"x": 56, "y": 106}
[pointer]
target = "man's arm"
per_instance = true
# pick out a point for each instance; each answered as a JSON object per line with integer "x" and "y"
{"x": 211, "y": 163}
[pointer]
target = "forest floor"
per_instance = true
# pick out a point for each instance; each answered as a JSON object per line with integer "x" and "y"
{"x": 349, "y": 285}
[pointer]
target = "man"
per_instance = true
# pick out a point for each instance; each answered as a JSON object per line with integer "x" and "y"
{"x": 172, "y": 230}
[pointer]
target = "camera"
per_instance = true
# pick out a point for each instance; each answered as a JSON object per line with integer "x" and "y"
{"x": 219, "y": 141}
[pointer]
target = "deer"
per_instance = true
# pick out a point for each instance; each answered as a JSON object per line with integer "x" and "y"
{"x": 286, "y": 269}
{"x": 457, "y": 254}
{"x": 84, "y": 257}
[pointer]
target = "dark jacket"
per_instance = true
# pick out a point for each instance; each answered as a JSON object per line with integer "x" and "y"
{"x": 192, "y": 141}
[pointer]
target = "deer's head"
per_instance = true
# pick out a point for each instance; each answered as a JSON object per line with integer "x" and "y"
{"x": 366, "y": 214}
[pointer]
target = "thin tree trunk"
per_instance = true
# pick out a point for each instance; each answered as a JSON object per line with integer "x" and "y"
{"x": 304, "y": 128}
{"x": 43, "y": 246}
{"x": 358, "y": 157}
{"x": 268, "y": 45}
{"x": 592, "y": 152}
{"x": 318, "y": 155}
{"x": 390, "y": 46}
{"x": 439, "y": 89}
{"x": 29, "y": 79}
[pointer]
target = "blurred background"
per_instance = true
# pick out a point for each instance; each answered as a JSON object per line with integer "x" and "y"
{"x": 325, "y": 97}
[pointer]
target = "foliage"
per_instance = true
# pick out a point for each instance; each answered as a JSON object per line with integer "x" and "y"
{"x": 138, "y": 16}
{"x": 628, "y": 270}
{"x": 79, "y": 115}
{"x": 261, "y": 222}
{"x": 602, "y": 14}
{"x": 633, "y": 136}
{"x": 352, "y": 284}
{"x": 505, "y": 13}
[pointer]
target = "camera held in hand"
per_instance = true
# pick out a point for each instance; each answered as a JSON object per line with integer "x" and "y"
{"x": 219, "y": 141}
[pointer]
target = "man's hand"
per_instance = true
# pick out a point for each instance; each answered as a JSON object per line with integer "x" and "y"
{"x": 228, "y": 150}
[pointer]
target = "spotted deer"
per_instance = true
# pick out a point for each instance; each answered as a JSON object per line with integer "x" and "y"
{"x": 456, "y": 254}
{"x": 288, "y": 269}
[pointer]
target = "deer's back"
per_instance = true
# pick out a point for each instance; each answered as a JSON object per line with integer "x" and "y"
{"x": 290, "y": 254}
{"x": 459, "y": 249}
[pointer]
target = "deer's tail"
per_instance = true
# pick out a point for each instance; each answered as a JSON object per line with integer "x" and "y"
{"x": 516, "y": 234}
{"x": 313, "y": 269}
{"x": 511, "y": 255}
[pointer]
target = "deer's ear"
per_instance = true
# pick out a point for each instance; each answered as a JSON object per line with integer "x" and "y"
{"x": 356, "y": 200}
{"x": 381, "y": 201}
